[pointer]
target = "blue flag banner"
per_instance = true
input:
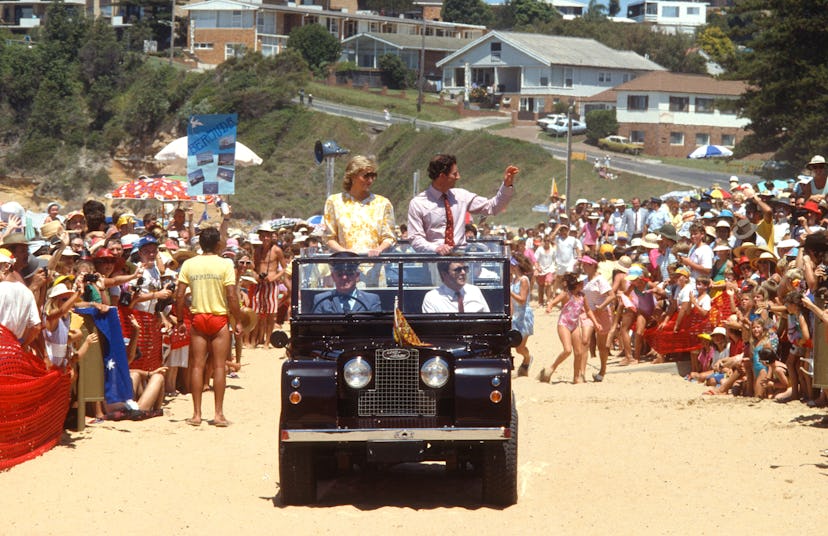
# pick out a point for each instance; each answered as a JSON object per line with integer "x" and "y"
{"x": 211, "y": 154}
{"x": 117, "y": 383}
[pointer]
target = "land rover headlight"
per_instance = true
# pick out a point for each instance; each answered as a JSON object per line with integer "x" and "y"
{"x": 357, "y": 373}
{"x": 435, "y": 373}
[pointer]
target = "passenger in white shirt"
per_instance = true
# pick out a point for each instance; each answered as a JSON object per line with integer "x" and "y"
{"x": 454, "y": 295}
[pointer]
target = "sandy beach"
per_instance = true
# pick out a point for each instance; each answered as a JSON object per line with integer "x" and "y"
{"x": 642, "y": 452}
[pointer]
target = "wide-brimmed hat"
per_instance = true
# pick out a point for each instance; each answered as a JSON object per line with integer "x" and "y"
{"x": 74, "y": 214}
{"x": 719, "y": 330}
{"x": 248, "y": 319}
{"x": 721, "y": 246}
{"x": 743, "y": 229}
{"x": 53, "y": 228}
{"x": 812, "y": 206}
{"x": 635, "y": 271}
{"x": 32, "y": 267}
{"x": 69, "y": 252}
{"x": 741, "y": 250}
{"x": 623, "y": 264}
{"x": 754, "y": 252}
{"x": 182, "y": 255}
{"x": 649, "y": 241}
{"x": 817, "y": 159}
{"x": 764, "y": 256}
{"x": 723, "y": 223}
{"x": 265, "y": 228}
{"x": 668, "y": 231}
{"x": 59, "y": 290}
{"x": 14, "y": 239}
{"x": 788, "y": 243}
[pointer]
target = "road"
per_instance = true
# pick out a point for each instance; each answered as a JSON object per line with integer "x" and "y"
{"x": 689, "y": 177}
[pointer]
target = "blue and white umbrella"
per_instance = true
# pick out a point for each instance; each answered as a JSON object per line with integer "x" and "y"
{"x": 316, "y": 220}
{"x": 710, "y": 151}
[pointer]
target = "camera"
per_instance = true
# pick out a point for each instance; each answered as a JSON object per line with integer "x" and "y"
{"x": 262, "y": 275}
{"x": 128, "y": 293}
{"x": 91, "y": 278}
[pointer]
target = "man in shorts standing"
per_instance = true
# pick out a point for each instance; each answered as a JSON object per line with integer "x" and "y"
{"x": 270, "y": 265}
{"x": 212, "y": 280}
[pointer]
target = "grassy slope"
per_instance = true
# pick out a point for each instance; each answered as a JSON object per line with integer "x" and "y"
{"x": 290, "y": 183}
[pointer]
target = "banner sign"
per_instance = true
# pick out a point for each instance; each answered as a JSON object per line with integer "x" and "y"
{"x": 211, "y": 154}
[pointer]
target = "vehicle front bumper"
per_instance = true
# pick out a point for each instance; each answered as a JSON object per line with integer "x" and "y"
{"x": 394, "y": 434}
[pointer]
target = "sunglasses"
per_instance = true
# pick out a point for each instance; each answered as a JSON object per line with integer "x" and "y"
{"x": 371, "y": 175}
{"x": 245, "y": 262}
{"x": 349, "y": 273}
{"x": 460, "y": 269}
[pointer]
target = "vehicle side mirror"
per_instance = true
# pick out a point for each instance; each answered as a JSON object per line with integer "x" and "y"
{"x": 279, "y": 339}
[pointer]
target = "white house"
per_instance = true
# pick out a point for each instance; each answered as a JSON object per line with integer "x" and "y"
{"x": 669, "y": 16}
{"x": 673, "y": 113}
{"x": 539, "y": 70}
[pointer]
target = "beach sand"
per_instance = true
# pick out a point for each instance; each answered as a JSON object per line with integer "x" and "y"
{"x": 642, "y": 452}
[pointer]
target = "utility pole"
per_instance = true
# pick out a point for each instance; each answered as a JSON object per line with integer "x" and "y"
{"x": 422, "y": 68}
{"x": 172, "y": 31}
{"x": 568, "y": 152}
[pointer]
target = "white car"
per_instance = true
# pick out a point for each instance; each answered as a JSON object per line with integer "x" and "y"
{"x": 560, "y": 127}
{"x": 543, "y": 122}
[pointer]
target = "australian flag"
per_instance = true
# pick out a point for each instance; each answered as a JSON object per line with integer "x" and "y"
{"x": 117, "y": 383}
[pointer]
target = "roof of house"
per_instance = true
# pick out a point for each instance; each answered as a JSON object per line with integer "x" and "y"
{"x": 559, "y": 50}
{"x": 223, "y": 5}
{"x": 684, "y": 83}
{"x": 609, "y": 95}
{"x": 449, "y": 44}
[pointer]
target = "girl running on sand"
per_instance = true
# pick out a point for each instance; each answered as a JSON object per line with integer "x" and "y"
{"x": 569, "y": 327}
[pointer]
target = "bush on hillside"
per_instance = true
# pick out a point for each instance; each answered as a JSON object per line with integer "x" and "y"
{"x": 600, "y": 124}
{"x": 394, "y": 72}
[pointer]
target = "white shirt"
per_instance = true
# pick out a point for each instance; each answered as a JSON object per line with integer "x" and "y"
{"x": 565, "y": 250}
{"x": 152, "y": 283}
{"x": 444, "y": 300}
{"x": 546, "y": 259}
{"x": 703, "y": 255}
{"x": 594, "y": 291}
{"x": 18, "y": 309}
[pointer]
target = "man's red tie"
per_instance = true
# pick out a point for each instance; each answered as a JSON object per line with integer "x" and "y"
{"x": 449, "y": 222}
{"x": 459, "y": 301}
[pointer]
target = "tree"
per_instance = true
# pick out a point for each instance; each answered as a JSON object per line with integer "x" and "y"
{"x": 596, "y": 10}
{"x": 316, "y": 45}
{"x": 787, "y": 72}
{"x": 717, "y": 45}
{"x": 614, "y": 7}
{"x": 526, "y": 13}
{"x": 467, "y": 12}
{"x": 394, "y": 71}
{"x": 600, "y": 124}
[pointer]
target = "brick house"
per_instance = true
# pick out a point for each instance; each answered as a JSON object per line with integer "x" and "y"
{"x": 673, "y": 113}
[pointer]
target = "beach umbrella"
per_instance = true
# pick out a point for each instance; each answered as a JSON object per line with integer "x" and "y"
{"x": 316, "y": 220}
{"x": 176, "y": 152}
{"x": 719, "y": 193}
{"x": 161, "y": 188}
{"x": 710, "y": 151}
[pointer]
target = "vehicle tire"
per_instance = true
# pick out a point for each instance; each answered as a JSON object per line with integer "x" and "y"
{"x": 500, "y": 468}
{"x": 627, "y": 151}
{"x": 297, "y": 474}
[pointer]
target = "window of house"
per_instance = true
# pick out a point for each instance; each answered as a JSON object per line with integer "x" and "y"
{"x": 568, "y": 76}
{"x": 670, "y": 11}
{"x": 679, "y": 104}
{"x": 460, "y": 77}
{"x": 625, "y": 77}
{"x": 604, "y": 76}
{"x": 637, "y": 136}
{"x": 652, "y": 8}
{"x": 234, "y": 50}
{"x": 692, "y": 11}
{"x": 704, "y": 105}
{"x": 332, "y": 26}
{"x": 544, "y": 81}
{"x": 677, "y": 138}
{"x": 728, "y": 140}
{"x": 495, "y": 50}
{"x": 702, "y": 138}
{"x": 204, "y": 46}
{"x": 638, "y": 102}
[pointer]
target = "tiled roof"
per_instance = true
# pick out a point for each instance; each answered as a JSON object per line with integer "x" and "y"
{"x": 667, "y": 82}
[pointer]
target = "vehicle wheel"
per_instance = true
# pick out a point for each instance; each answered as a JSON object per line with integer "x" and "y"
{"x": 500, "y": 468}
{"x": 297, "y": 474}
{"x": 627, "y": 151}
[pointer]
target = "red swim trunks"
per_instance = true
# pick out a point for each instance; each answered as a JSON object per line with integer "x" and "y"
{"x": 208, "y": 323}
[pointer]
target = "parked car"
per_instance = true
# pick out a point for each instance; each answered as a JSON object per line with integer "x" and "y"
{"x": 358, "y": 391}
{"x": 543, "y": 122}
{"x": 560, "y": 127}
{"x": 619, "y": 144}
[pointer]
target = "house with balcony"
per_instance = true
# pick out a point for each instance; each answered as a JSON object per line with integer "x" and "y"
{"x": 220, "y": 29}
{"x": 669, "y": 16}
{"x": 672, "y": 113}
{"x": 19, "y": 16}
{"x": 532, "y": 72}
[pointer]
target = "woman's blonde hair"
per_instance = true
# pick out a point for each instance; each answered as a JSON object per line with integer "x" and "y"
{"x": 356, "y": 166}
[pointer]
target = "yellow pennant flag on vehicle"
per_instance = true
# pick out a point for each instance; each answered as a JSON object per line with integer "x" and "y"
{"x": 403, "y": 334}
{"x": 555, "y": 192}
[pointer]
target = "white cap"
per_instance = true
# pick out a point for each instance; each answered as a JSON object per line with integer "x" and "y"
{"x": 59, "y": 289}
{"x": 722, "y": 223}
{"x": 69, "y": 252}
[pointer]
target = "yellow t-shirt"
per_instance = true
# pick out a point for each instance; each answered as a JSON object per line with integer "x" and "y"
{"x": 207, "y": 277}
{"x": 765, "y": 230}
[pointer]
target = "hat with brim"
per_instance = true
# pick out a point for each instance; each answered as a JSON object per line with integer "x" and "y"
{"x": 721, "y": 247}
{"x": 587, "y": 260}
{"x": 634, "y": 273}
{"x": 59, "y": 290}
{"x": 722, "y": 223}
{"x": 182, "y": 255}
{"x": 623, "y": 264}
{"x": 817, "y": 159}
{"x": 682, "y": 271}
{"x": 74, "y": 214}
{"x": 635, "y": 243}
{"x": 766, "y": 256}
{"x": 668, "y": 231}
{"x": 265, "y": 228}
{"x": 53, "y": 228}
{"x": 688, "y": 216}
{"x": 69, "y": 252}
{"x": 742, "y": 249}
{"x": 704, "y": 336}
{"x": 248, "y": 319}
{"x": 788, "y": 243}
{"x": 147, "y": 240}
{"x": 710, "y": 231}
{"x": 743, "y": 229}
{"x": 32, "y": 267}
{"x": 650, "y": 241}
{"x": 6, "y": 259}
{"x": 14, "y": 239}
{"x": 813, "y": 207}
{"x": 755, "y": 251}
{"x": 719, "y": 331}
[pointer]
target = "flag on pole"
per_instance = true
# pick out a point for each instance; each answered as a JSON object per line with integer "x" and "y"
{"x": 403, "y": 334}
{"x": 554, "y": 192}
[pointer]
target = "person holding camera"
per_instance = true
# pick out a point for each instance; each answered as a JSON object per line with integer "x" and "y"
{"x": 147, "y": 292}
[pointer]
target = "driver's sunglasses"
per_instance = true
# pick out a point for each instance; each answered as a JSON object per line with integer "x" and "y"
{"x": 460, "y": 269}
{"x": 349, "y": 272}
